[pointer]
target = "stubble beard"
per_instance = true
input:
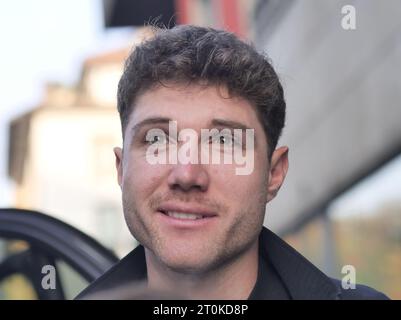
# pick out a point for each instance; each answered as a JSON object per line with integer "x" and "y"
{"x": 223, "y": 249}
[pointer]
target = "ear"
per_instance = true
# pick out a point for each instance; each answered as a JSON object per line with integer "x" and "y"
{"x": 118, "y": 152}
{"x": 278, "y": 171}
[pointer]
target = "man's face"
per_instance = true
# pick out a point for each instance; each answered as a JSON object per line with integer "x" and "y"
{"x": 157, "y": 197}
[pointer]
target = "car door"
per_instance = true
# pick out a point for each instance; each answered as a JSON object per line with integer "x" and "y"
{"x": 44, "y": 258}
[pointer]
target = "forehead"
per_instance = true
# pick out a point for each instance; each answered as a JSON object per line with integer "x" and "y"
{"x": 193, "y": 106}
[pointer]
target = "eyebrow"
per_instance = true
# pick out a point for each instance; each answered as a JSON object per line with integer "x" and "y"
{"x": 233, "y": 125}
{"x": 215, "y": 122}
{"x": 229, "y": 124}
{"x": 149, "y": 121}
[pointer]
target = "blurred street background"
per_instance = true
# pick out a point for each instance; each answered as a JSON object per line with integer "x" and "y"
{"x": 60, "y": 62}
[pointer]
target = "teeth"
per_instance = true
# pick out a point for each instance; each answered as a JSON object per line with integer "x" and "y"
{"x": 182, "y": 215}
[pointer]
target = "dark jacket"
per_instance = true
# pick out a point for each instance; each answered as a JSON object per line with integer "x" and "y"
{"x": 293, "y": 274}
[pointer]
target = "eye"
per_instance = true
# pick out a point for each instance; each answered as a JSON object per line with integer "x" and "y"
{"x": 223, "y": 139}
{"x": 156, "y": 137}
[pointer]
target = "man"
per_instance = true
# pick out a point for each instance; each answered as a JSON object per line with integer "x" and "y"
{"x": 200, "y": 221}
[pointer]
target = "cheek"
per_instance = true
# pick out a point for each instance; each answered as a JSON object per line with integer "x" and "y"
{"x": 242, "y": 190}
{"x": 142, "y": 178}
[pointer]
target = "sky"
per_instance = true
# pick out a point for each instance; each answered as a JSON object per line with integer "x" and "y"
{"x": 47, "y": 40}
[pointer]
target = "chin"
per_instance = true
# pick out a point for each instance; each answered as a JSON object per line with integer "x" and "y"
{"x": 186, "y": 264}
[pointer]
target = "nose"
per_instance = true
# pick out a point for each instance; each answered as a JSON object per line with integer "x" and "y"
{"x": 186, "y": 177}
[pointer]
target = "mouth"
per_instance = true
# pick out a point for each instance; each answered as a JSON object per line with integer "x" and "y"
{"x": 185, "y": 215}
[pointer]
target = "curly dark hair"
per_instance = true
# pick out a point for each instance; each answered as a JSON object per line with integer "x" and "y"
{"x": 192, "y": 54}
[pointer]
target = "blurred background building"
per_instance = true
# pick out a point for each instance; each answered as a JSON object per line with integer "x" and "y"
{"x": 341, "y": 202}
{"x": 61, "y": 153}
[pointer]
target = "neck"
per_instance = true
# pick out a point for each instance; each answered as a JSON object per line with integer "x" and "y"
{"x": 233, "y": 280}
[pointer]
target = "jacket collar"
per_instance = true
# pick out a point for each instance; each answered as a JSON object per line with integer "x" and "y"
{"x": 302, "y": 279}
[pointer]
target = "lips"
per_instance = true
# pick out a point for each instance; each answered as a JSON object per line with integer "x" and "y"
{"x": 184, "y": 215}
{"x": 186, "y": 212}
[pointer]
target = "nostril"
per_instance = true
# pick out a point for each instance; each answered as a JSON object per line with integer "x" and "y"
{"x": 187, "y": 187}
